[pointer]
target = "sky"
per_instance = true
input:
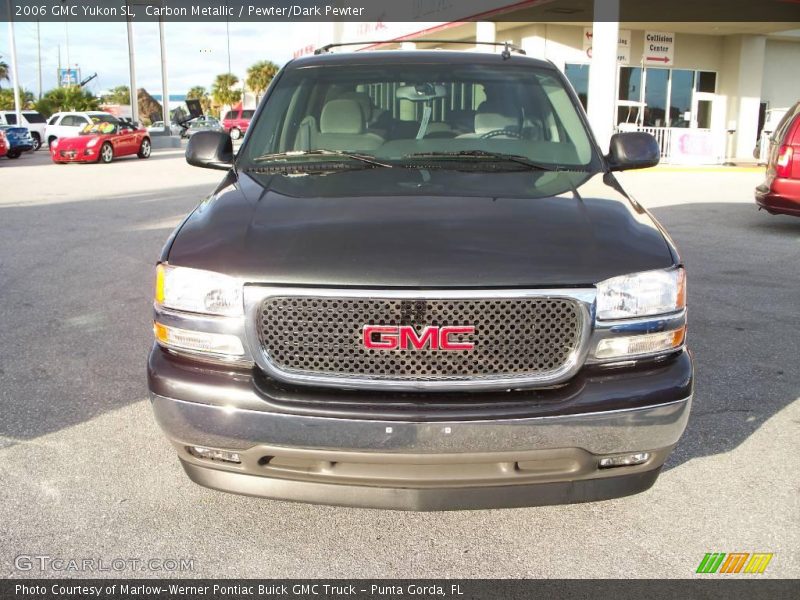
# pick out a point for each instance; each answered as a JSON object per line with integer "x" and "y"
{"x": 196, "y": 52}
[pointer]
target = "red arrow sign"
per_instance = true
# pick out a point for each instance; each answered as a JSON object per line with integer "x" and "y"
{"x": 663, "y": 59}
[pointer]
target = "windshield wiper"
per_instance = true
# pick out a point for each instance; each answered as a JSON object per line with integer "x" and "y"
{"x": 364, "y": 158}
{"x": 515, "y": 158}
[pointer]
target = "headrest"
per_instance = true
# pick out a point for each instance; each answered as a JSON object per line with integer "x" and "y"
{"x": 341, "y": 116}
{"x": 486, "y": 122}
{"x": 363, "y": 99}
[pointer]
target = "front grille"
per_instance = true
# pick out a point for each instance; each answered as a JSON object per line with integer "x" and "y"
{"x": 514, "y": 338}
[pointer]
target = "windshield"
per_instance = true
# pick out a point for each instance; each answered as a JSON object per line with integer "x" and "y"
{"x": 96, "y": 127}
{"x": 403, "y": 112}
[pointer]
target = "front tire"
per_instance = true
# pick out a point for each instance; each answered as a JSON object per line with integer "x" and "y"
{"x": 37, "y": 141}
{"x": 13, "y": 154}
{"x": 106, "y": 153}
{"x": 236, "y": 133}
{"x": 144, "y": 149}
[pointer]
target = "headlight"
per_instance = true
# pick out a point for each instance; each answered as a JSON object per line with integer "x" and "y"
{"x": 193, "y": 290}
{"x": 641, "y": 294}
{"x": 92, "y": 142}
{"x": 55, "y": 143}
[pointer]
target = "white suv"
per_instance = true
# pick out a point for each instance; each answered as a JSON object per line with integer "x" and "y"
{"x": 69, "y": 124}
{"x": 30, "y": 119}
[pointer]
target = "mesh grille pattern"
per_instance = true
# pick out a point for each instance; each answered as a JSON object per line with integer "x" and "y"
{"x": 514, "y": 338}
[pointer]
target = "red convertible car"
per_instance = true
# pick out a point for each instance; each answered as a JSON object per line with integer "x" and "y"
{"x": 102, "y": 141}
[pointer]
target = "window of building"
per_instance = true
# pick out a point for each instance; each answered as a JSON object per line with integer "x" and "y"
{"x": 630, "y": 92}
{"x": 707, "y": 81}
{"x": 680, "y": 97}
{"x": 656, "y": 97}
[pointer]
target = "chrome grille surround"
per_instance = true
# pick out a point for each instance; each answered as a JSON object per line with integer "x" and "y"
{"x": 559, "y": 320}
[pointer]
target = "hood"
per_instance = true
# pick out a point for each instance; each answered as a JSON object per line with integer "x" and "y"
{"x": 418, "y": 228}
{"x": 78, "y": 142}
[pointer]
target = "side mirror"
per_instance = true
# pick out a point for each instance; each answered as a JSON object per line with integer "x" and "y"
{"x": 210, "y": 150}
{"x": 633, "y": 150}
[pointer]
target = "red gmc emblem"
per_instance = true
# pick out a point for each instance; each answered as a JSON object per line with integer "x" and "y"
{"x": 405, "y": 337}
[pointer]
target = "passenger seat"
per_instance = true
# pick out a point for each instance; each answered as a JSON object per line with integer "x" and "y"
{"x": 342, "y": 127}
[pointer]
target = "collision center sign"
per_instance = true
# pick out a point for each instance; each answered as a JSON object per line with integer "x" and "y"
{"x": 659, "y": 48}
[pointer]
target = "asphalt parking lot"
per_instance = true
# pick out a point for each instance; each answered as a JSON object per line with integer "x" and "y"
{"x": 86, "y": 473}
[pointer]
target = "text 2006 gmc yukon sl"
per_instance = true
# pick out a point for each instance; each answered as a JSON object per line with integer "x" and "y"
{"x": 420, "y": 286}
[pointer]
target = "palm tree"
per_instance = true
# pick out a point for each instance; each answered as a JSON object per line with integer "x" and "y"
{"x": 4, "y": 71}
{"x": 118, "y": 95}
{"x": 259, "y": 76}
{"x": 222, "y": 91}
{"x": 70, "y": 97}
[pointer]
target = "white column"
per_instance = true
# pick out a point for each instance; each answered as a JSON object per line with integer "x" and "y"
{"x": 485, "y": 31}
{"x": 751, "y": 75}
{"x": 603, "y": 71}
{"x": 535, "y": 44}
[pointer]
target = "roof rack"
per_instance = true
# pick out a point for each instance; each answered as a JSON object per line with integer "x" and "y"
{"x": 508, "y": 47}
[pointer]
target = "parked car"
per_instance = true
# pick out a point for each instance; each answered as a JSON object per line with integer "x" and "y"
{"x": 32, "y": 120}
{"x": 102, "y": 141}
{"x": 237, "y": 121}
{"x": 414, "y": 316}
{"x": 202, "y": 124}
{"x": 70, "y": 124}
{"x": 158, "y": 126}
{"x": 780, "y": 191}
{"x": 19, "y": 140}
{"x": 3, "y": 144}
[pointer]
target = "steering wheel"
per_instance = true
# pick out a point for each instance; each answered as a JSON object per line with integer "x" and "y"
{"x": 517, "y": 135}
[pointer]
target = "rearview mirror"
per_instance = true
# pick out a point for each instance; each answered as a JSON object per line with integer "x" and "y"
{"x": 210, "y": 150}
{"x": 422, "y": 92}
{"x": 633, "y": 150}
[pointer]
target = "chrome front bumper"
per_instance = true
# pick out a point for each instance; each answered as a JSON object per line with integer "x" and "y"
{"x": 609, "y": 432}
{"x": 419, "y": 465}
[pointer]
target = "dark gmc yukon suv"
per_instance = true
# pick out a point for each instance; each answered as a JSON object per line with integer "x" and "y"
{"x": 420, "y": 286}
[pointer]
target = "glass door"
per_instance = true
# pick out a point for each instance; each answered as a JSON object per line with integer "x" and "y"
{"x": 701, "y": 112}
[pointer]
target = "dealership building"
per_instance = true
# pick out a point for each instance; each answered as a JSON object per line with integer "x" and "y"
{"x": 705, "y": 90}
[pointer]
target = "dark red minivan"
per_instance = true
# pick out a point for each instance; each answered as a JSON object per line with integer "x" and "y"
{"x": 236, "y": 121}
{"x": 780, "y": 192}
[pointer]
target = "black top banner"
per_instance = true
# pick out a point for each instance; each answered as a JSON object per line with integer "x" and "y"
{"x": 402, "y": 10}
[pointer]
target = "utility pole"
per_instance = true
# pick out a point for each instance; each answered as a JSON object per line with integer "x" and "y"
{"x": 228, "y": 36}
{"x": 39, "y": 57}
{"x": 69, "y": 65}
{"x": 13, "y": 43}
{"x": 58, "y": 73}
{"x": 132, "y": 68}
{"x": 164, "y": 90}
